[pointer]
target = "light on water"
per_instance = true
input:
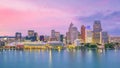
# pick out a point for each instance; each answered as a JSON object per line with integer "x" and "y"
{"x": 70, "y": 58}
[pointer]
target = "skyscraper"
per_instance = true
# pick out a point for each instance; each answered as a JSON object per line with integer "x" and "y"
{"x": 30, "y": 33}
{"x": 72, "y": 34}
{"x": 61, "y": 37}
{"x": 89, "y": 36}
{"x": 105, "y": 37}
{"x": 53, "y": 38}
{"x": 32, "y": 36}
{"x": 83, "y": 33}
{"x": 41, "y": 37}
{"x": 18, "y": 36}
{"x": 36, "y": 37}
{"x": 57, "y": 35}
{"x": 97, "y": 32}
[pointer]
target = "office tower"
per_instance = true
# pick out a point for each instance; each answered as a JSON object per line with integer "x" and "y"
{"x": 30, "y": 33}
{"x": 46, "y": 38}
{"x": 53, "y": 37}
{"x": 72, "y": 34}
{"x": 32, "y": 36}
{"x": 61, "y": 38}
{"x": 36, "y": 37}
{"x": 68, "y": 37}
{"x": 89, "y": 35}
{"x": 57, "y": 35}
{"x": 41, "y": 37}
{"x": 97, "y": 32}
{"x": 18, "y": 36}
{"x": 83, "y": 33}
{"x": 105, "y": 37}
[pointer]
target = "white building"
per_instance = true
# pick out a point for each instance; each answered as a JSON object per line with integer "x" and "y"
{"x": 77, "y": 42}
{"x": 72, "y": 34}
{"x": 115, "y": 39}
{"x": 89, "y": 36}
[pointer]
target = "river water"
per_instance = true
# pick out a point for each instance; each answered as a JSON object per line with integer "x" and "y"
{"x": 89, "y": 58}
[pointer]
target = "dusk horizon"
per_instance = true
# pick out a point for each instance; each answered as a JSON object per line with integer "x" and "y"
{"x": 43, "y": 16}
{"x": 59, "y": 33}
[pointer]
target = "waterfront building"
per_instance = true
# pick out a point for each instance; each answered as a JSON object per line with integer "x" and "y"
{"x": 72, "y": 34}
{"x": 67, "y": 37}
{"x": 18, "y": 36}
{"x": 89, "y": 35}
{"x": 97, "y": 32}
{"x": 36, "y": 36}
{"x": 55, "y": 43}
{"x": 105, "y": 37}
{"x": 7, "y": 38}
{"x": 30, "y": 33}
{"x": 57, "y": 36}
{"x": 46, "y": 38}
{"x": 77, "y": 42}
{"x": 53, "y": 37}
{"x": 83, "y": 33}
{"x": 114, "y": 39}
{"x": 41, "y": 37}
{"x": 61, "y": 38}
{"x": 2, "y": 43}
{"x": 32, "y": 36}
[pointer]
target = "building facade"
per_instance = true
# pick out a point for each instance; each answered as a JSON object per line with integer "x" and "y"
{"x": 97, "y": 32}
{"x": 18, "y": 36}
{"x": 83, "y": 33}
{"x": 72, "y": 34}
{"x": 105, "y": 37}
{"x": 115, "y": 39}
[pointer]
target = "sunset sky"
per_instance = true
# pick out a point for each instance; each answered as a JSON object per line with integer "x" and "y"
{"x": 44, "y": 15}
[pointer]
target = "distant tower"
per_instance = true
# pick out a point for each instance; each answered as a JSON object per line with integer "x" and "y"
{"x": 42, "y": 38}
{"x": 72, "y": 34}
{"x": 30, "y": 33}
{"x": 83, "y": 33}
{"x": 18, "y": 36}
{"x": 57, "y": 35}
{"x": 89, "y": 35}
{"x": 36, "y": 38}
{"x": 105, "y": 37}
{"x": 97, "y": 32}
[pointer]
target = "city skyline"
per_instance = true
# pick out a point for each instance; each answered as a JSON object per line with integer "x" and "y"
{"x": 43, "y": 16}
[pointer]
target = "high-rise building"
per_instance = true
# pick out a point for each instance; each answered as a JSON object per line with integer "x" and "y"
{"x": 97, "y": 32}
{"x": 18, "y": 36}
{"x": 114, "y": 39}
{"x": 105, "y": 37}
{"x": 72, "y": 34}
{"x": 41, "y": 37}
{"x": 32, "y": 36}
{"x": 61, "y": 38}
{"x": 53, "y": 37}
{"x": 89, "y": 35}
{"x": 46, "y": 38}
{"x": 36, "y": 36}
{"x": 30, "y": 33}
{"x": 68, "y": 37}
{"x": 83, "y": 33}
{"x": 57, "y": 35}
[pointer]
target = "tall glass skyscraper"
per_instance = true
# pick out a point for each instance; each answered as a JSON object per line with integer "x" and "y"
{"x": 97, "y": 32}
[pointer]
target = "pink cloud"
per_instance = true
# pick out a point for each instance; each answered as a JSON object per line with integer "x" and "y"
{"x": 13, "y": 20}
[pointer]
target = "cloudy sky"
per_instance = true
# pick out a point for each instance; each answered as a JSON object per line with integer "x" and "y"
{"x": 44, "y": 15}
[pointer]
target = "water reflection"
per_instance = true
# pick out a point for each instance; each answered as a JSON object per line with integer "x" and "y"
{"x": 50, "y": 58}
{"x": 71, "y": 58}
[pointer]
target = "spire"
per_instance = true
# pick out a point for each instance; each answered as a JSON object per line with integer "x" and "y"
{"x": 71, "y": 24}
